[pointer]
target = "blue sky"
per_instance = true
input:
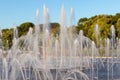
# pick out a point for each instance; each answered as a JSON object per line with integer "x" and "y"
{"x": 19, "y": 11}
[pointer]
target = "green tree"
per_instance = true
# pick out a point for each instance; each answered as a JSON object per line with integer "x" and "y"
{"x": 118, "y": 28}
{"x": 24, "y": 28}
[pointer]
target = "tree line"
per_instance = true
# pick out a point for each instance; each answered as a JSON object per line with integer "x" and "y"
{"x": 86, "y": 24}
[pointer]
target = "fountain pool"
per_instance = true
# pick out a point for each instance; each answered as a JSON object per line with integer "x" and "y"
{"x": 67, "y": 56}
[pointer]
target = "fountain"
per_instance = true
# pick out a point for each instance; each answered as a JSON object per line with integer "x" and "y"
{"x": 65, "y": 57}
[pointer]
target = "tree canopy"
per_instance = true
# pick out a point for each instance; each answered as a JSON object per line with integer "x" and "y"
{"x": 104, "y": 22}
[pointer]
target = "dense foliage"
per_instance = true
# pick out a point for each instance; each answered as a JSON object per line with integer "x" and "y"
{"x": 7, "y": 34}
{"x": 104, "y": 22}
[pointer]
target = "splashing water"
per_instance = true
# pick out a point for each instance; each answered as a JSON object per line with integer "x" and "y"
{"x": 65, "y": 57}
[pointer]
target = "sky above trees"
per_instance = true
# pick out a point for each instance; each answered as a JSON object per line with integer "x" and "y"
{"x": 19, "y": 11}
